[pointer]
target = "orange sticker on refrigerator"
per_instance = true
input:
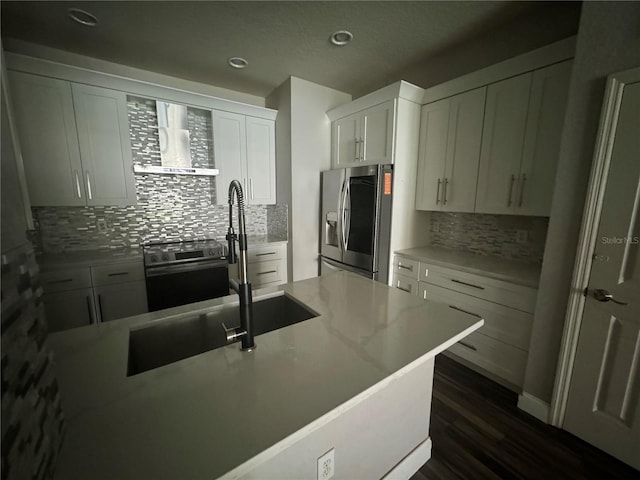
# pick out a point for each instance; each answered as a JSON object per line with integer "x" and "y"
{"x": 387, "y": 183}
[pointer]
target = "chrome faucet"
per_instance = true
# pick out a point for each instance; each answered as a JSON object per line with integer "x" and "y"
{"x": 242, "y": 286}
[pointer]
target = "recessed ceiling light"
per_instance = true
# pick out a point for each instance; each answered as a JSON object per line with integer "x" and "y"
{"x": 82, "y": 17}
{"x": 237, "y": 62}
{"x": 341, "y": 37}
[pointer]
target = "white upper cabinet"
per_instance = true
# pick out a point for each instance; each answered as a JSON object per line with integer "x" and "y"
{"x": 75, "y": 142}
{"x": 364, "y": 138}
{"x": 505, "y": 122}
{"x": 245, "y": 150}
{"x": 48, "y": 139}
{"x": 105, "y": 147}
{"x": 521, "y": 142}
{"x": 547, "y": 105}
{"x": 450, "y": 138}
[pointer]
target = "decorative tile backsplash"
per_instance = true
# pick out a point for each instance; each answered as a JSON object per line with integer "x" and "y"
{"x": 495, "y": 235}
{"x": 170, "y": 207}
{"x": 33, "y": 424}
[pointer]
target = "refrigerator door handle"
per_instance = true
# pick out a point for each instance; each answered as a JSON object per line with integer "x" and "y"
{"x": 347, "y": 210}
{"x": 343, "y": 215}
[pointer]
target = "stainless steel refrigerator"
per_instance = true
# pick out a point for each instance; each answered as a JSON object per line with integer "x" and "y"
{"x": 355, "y": 223}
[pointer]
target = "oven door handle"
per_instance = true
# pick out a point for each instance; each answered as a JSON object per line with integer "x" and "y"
{"x": 185, "y": 267}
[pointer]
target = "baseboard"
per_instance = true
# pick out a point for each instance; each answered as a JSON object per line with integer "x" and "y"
{"x": 534, "y": 406}
{"x": 410, "y": 464}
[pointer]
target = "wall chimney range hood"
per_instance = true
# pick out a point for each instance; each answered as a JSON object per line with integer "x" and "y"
{"x": 175, "y": 150}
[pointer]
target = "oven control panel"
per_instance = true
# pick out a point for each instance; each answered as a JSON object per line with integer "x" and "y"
{"x": 183, "y": 252}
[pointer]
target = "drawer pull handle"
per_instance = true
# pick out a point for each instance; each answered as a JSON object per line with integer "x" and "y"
{"x": 467, "y": 284}
{"x": 100, "y": 309}
{"x": 117, "y": 274}
{"x": 466, "y": 311}
{"x": 469, "y": 346}
{"x": 410, "y": 267}
{"x": 64, "y": 280}
{"x": 91, "y": 319}
{"x": 266, "y": 253}
{"x": 265, "y": 273}
{"x": 408, "y": 290}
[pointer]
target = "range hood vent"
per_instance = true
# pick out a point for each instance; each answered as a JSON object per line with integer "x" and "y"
{"x": 175, "y": 148}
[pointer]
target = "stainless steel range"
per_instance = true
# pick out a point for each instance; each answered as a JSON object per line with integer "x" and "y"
{"x": 184, "y": 272}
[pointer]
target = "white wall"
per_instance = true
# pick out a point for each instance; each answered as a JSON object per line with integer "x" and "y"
{"x": 302, "y": 123}
{"x": 608, "y": 42}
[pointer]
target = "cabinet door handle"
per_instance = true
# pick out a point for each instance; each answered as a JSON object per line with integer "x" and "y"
{"x": 251, "y": 186}
{"x": 524, "y": 179}
{"x": 100, "y": 308}
{"x": 265, "y": 253}
{"x": 513, "y": 179}
{"x": 465, "y": 311}
{"x": 78, "y": 192}
{"x": 363, "y": 150}
{"x": 266, "y": 273}
{"x": 63, "y": 280}
{"x": 444, "y": 191}
{"x": 468, "y": 345}
{"x": 91, "y": 319}
{"x": 467, "y": 284}
{"x": 438, "y": 192}
{"x": 357, "y": 159}
{"x": 117, "y": 274}
{"x": 89, "y": 193}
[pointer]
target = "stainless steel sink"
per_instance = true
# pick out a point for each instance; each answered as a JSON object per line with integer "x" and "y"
{"x": 176, "y": 339}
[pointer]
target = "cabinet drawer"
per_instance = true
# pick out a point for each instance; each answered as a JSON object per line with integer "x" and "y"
{"x": 266, "y": 253}
{"x": 503, "y": 360}
{"x": 117, "y": 273}
{"x": 406, "y": 267}
{"x": 514, "y": 296}
{"x": 406, "y": 284}
{"x": 65, "y": 279}
{"x": 262, "y": 273}
{"x": 502, "y": 323}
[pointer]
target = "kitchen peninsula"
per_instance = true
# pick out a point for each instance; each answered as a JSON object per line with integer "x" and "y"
{"x": 357, "y": 378}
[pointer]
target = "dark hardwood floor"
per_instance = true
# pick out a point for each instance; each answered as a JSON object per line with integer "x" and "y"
{"x": 478, "y": 432}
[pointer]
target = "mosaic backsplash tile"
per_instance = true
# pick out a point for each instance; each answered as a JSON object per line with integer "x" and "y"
{"x": 495, "y": 235}
{"x": 33, "y": 424}
{"x": 170, "y": 207}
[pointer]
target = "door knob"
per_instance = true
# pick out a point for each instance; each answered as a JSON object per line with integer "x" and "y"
{"x": 605, "y": 296}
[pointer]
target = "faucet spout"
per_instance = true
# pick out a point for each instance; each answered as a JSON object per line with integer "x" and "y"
{"x": 242, "y": 287}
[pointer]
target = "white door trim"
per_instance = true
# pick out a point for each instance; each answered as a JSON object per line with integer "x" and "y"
{"x": 587, "y": 239}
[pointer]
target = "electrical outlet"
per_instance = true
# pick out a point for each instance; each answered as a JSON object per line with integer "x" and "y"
{"x": 326, "y": 465}
{"x": 102, "y": 225}
{"x": 521, "y": 236}
{"x": 436, "y": 226}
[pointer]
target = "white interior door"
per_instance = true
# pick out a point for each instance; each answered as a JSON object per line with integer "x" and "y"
{"x": 603, "y": 405}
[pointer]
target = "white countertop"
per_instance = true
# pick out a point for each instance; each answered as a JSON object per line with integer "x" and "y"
{"x": 212, "y": 413}
{"x": 521, "y": 273}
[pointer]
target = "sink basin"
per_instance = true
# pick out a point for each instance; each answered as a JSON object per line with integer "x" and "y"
{"x": 176, "y": 339}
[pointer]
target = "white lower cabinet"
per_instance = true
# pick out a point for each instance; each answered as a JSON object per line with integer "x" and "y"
{"x": 76, "y": 297}
{"x": 266, "y": 265}
{"x": 499, "y": 348}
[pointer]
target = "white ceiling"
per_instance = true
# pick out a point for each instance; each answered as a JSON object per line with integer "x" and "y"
{"x": 193, "y": 40}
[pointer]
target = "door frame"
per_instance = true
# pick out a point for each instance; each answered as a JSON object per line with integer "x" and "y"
{"x": 588, "y": 239}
